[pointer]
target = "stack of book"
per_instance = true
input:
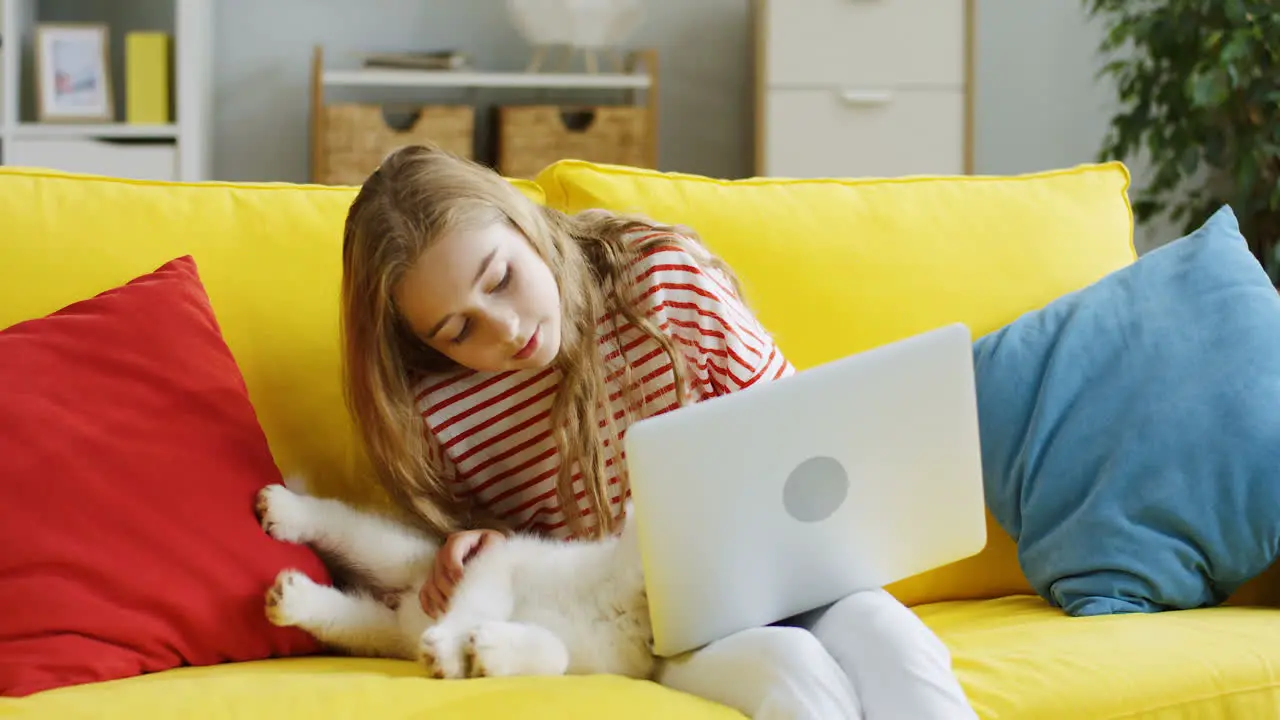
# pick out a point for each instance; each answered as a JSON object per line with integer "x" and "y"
{"x": 429, "y": 60}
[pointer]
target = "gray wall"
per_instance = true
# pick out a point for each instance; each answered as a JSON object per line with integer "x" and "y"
{"x": 1038, "y": 104}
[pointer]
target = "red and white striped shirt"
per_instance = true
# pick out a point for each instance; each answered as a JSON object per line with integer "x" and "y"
{"x": 492, "y": 431}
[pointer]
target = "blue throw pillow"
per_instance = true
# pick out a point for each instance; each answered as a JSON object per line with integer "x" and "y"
{"x": 1131, "y": 430}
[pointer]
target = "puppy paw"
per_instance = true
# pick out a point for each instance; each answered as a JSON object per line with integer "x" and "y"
{"x": 283, "y": 513}
{"x": 440, "y": 653}
{"x": 287, "y": 598}
{"x": 490, "y": 651}
{"x": 505, "y": 649}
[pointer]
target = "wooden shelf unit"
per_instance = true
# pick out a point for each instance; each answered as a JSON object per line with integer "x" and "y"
{"x": 639, "y": 80}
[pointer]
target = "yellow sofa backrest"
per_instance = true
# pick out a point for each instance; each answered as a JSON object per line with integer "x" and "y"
{"x": 831, "y": 266}
{"x": 837, "y": 266}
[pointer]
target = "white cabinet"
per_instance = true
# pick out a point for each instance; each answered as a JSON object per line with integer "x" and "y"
{"x": 143, "y": 161}
{"x": 864, "y": 88}
{"x": 827, "y": 132}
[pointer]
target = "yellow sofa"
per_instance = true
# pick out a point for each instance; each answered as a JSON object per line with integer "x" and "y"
{"x": 832, "y": 266}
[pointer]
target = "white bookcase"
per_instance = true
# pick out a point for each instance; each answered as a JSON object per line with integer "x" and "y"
{"x": 174, "y": 151}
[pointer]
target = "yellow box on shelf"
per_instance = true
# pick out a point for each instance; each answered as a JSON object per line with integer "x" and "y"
{"x": 147, "y": 81}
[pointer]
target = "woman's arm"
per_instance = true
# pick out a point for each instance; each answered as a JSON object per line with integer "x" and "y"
{"x": 726, "y": 346}
{"x": 456, "y": 550}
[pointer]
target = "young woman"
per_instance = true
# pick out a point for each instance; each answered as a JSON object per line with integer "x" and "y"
{"x": 495, "y": 353}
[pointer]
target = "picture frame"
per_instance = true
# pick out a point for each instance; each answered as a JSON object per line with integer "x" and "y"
{"x": 73, "y": 73}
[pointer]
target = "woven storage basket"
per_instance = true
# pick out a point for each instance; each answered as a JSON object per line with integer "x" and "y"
{"x": 355, "y": 138}
{"x": 531, "y": 137}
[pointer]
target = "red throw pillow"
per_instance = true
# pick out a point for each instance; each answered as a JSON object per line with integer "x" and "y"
{"x": 130, "y": 458}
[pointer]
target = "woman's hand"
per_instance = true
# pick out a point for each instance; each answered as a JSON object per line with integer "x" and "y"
{"x": 459, "y": 548}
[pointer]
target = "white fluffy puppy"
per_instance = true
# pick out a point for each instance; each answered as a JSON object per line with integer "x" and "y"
{"x": 527, "y": 606}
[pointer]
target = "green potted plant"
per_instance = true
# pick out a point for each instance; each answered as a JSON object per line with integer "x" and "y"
{"x": 1198, "y": 84}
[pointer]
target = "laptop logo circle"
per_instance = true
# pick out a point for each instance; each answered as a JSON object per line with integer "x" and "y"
{"x": 815, "y": 489}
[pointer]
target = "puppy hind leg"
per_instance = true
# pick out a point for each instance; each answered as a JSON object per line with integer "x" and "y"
{"x": 507, "y": 649}
{"x": 440, "y": 649}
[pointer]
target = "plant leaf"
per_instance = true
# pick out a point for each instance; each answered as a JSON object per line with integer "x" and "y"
{"x": 1209, "y": 88}
{"x": 1190, "y": 159}
{"x": 1235, "y": 11}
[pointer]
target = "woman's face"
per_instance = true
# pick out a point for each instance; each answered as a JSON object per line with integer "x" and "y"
{"x": 485, "y": 299}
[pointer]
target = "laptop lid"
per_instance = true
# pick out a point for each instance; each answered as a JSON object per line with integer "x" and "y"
{"x": 765, "y": 503}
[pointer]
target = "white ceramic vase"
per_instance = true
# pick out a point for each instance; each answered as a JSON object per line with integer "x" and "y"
{"x": 586, "y": 26}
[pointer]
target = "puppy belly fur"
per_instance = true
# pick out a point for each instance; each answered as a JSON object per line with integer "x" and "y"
{"x": 528, "y": 606}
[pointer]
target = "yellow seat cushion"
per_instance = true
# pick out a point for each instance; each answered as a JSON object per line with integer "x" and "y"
{"x": 1017, "y": 658}
{"x": 1020, "y": 659}
{"x": 269, "y": 254}
{"x": 833, "y": 267}
{"x": 357, "y": 688}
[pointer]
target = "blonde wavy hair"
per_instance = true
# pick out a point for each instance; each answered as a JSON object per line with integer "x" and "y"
{"x": 419, "y": 194}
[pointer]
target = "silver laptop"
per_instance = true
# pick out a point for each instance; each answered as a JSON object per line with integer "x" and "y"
{"x": 789, "y": 495}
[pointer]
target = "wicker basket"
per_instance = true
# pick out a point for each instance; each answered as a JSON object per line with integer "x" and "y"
{"x": 531, "y": 137}
{"x": 354, "y": 138}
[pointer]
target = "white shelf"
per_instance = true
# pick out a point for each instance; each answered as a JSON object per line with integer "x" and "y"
{"x": 99, "y": 130}
{"x": 181, "y": 150}
{"x": 380, "y": 77}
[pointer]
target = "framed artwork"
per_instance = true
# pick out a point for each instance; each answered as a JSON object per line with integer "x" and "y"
{"x": 73, "y": 73}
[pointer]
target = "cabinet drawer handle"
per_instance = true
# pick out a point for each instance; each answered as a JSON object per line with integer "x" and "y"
{"x": 866, "y": 97}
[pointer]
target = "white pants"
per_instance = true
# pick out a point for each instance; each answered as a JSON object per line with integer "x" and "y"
{"x": 866, "y": 657}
